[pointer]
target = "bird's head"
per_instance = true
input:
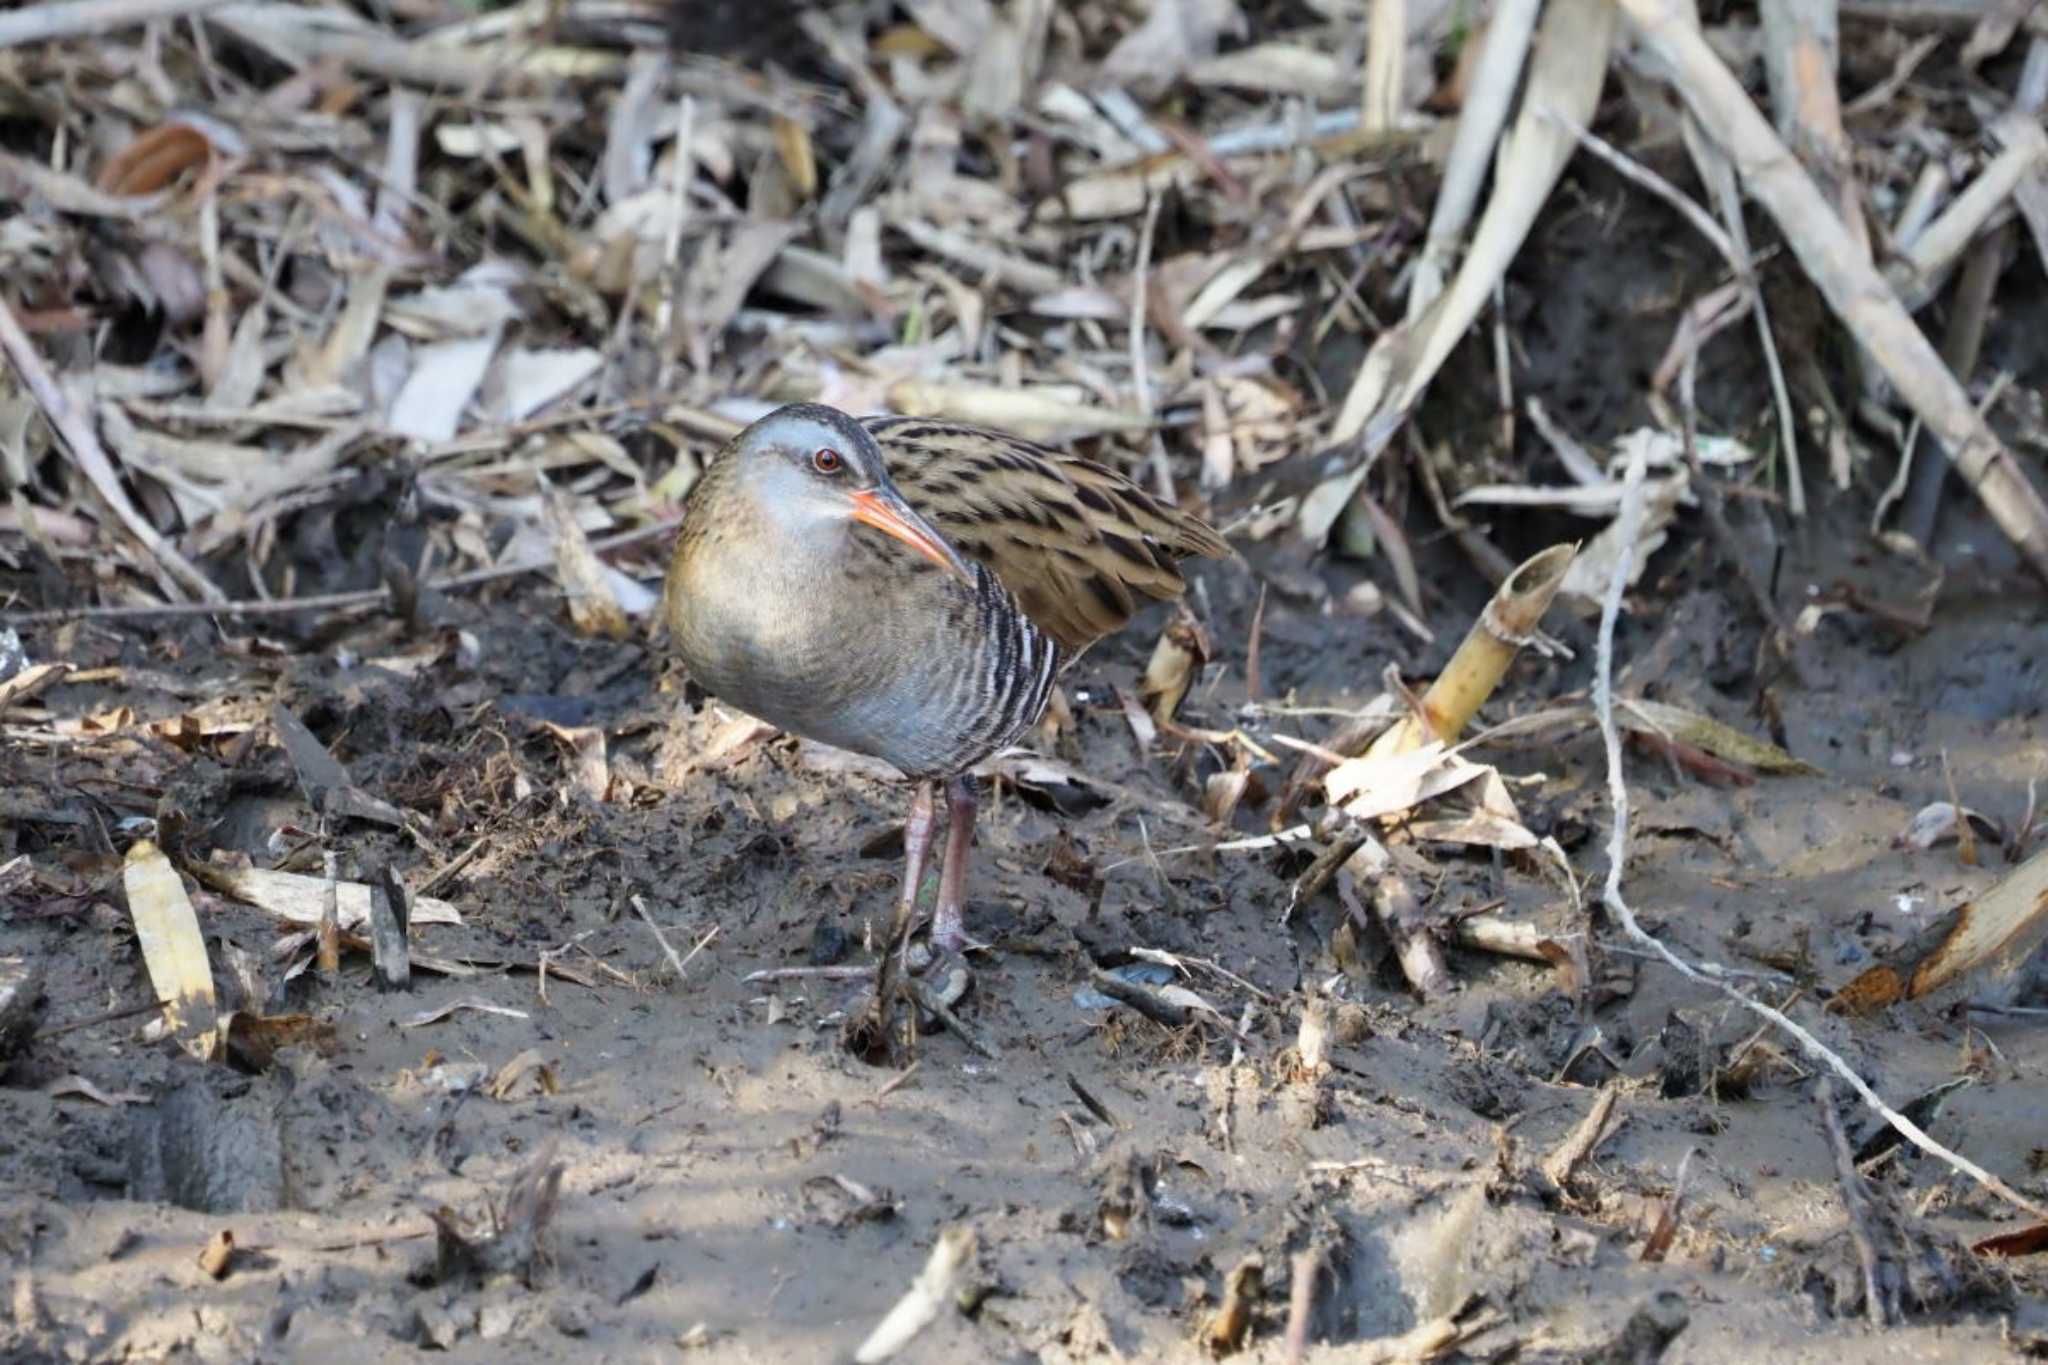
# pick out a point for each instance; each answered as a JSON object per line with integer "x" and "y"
{"x": 812, "y": 470}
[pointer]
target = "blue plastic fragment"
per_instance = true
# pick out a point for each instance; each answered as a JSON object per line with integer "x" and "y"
{"x": 1138, "y": 973}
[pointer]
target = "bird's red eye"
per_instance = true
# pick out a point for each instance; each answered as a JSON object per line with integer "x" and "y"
{"x": 827, "y": 461}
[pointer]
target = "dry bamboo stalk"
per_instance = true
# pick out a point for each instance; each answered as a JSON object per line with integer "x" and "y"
{"x": 1386, "y": 47}
{"x": 291, "y": 39}
{"x": 1506, "y": 937}
{"x": 1868, "y": 308}
{"x": 1499, "y": 633}
{"x": 2031, "y": 194}
{"x": 1918, "y": 275}
{"x": 1802, "y": 51}
{"x": 1492, "y": 87}
{"x": 1969, "y": 314}
{"x": 1570, "y": 66}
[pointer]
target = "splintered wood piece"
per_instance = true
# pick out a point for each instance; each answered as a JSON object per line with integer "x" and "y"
{"x": 1993, "y": 935}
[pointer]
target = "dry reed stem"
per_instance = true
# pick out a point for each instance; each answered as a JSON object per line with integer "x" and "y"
{"x": 1867, "y": 306}
{"x": 34, "y": 23}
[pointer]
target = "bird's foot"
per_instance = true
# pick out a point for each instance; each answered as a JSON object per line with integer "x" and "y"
{"x": 949, "y": 932}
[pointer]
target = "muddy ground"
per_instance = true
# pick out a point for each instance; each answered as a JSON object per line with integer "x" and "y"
{"x": 735, "y": 1183}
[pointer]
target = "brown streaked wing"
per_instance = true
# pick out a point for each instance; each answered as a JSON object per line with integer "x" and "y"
{"x": 1078, "y": 545}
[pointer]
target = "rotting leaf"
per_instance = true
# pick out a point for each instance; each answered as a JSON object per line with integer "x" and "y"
{"x": 1176, "y": 660}
{"x": 1225, "y": 1331}
{"x": 328, "y": 787}
{"x": 1703, "y": 732}
{"x": 154, "y": 159}
{"x": 2029, "y": 1241}
{"x": 173, "y": 949}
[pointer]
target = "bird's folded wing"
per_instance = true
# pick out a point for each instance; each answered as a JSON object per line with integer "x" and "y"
{"x": 1078, "y": 545}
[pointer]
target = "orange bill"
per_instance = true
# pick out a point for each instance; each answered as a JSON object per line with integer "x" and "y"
{"x": 886, "y": 511}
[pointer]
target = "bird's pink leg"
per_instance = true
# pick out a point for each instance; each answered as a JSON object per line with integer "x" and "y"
{"x": 917, "y": 846}
{"x": 949, "y": 928}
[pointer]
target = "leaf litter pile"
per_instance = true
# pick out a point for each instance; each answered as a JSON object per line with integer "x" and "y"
{"x": 1621, "y": 411}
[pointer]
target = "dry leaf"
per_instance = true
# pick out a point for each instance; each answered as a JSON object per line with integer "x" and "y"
{"x": 173, "y": 949}
{"x": 528, "y": 380}
{"x": 793, "y": 145}
{"x": 154, "y": 159}
{"x": 593, "y": 605}
{"x": 85, "y": 1089}
{"x": 1390, "y": 783}
{"x": 592, "y": 769}
{"x": 513, "y": 1072}
{"x": 1705, "y": 733}
{"x": 1035, "y": 414}
{"x": 444, "y": 377}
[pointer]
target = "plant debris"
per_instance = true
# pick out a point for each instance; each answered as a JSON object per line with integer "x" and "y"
{"x": 1615, "y": 745}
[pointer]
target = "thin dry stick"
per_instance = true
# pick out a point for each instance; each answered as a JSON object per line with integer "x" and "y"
{"x": 675, "y": 962}
{"x": 1485, "y": 112}
{"x": 684, "y": 171}
{"x": 1141, "y": 382}
{"x": 1628, "y": 525}
{"x": 59, "y": 1030}
{"x": 1878, "y": 1273}
{"x": 691, "y": 956}
{"x": 90, "y": 18}
{"x": 333, "y": 601}
{"x": 1718, "y": 173}
{"x": 1631, "y": 169}
{"x": 84, "y": 443}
